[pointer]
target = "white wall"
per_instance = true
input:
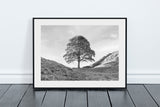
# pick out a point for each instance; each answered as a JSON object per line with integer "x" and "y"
{"x": 143, "y": 33}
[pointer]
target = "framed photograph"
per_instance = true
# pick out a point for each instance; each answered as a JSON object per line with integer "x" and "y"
{"x": 79, "y": 52}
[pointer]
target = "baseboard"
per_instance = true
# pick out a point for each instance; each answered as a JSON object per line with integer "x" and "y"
{"x": 16, "y": 79}
{"x": 143, "y": 78}
{"x": 131, "y": 78}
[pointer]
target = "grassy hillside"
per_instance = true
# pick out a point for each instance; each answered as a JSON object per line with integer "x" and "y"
{"x": 51, "y": 70}
{"x": 101, "y": 73}
{"x": 109, "y": 60}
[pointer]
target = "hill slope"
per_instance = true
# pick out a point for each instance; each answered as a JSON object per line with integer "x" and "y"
{"x": 109, "y": 60}
{"x": 51, "y": 70}
{"x": 104, "y": 69}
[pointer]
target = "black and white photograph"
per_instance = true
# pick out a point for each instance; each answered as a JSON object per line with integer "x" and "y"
{"x": 79, "y": 53}
{"x": 72, "y": 50}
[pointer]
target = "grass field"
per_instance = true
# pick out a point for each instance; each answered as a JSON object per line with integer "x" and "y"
{"x": 51, "y": 71}
{"x": 102, "y": 73}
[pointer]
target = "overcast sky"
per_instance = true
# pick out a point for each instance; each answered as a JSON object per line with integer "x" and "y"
{"x": 103, "y": 39}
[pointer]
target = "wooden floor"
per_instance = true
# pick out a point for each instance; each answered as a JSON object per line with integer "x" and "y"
{"x": 134, "y": 96}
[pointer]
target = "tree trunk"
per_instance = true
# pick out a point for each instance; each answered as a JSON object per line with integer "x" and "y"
{"x": 78, "y": 61}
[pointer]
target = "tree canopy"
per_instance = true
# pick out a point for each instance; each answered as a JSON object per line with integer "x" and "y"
{"x": 78, "y": 49}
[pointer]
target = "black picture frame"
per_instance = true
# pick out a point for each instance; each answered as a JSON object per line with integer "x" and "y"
{"x": 47, "y": 88}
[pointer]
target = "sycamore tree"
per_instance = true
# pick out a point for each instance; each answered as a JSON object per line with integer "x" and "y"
{"x": 79, "y": 50}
